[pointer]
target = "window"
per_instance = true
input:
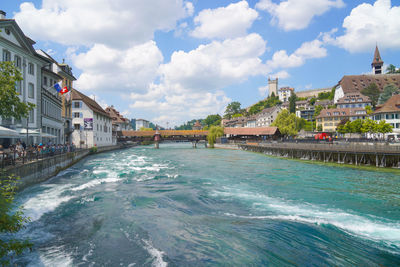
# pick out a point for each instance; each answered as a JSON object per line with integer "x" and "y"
{"x": 31, "y": 116}
{"x": 31, "y": 69}
{"x": 78, "y": 115}
{"x": 17, "y": 62}
{"x": 51, "y": 82}
{"x": 31, "y": 90}
{"x": 387, "y": 116}
{"x": 6, "y": 55}
{"x": 45, "y": 81}
{"x": 77, "y": 126}
{"x": 77, "y": 104}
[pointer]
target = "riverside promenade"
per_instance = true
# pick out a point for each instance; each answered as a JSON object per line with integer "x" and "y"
{"x": 368, "y": 154}
{"x": 41, "y": 169}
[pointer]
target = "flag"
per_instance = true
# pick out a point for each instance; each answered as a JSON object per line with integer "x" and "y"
{"x": 57, "y": 87}
{"x": 64, "y": 90}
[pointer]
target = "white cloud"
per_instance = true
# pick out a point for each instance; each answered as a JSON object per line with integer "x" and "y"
{"x": 308, "y": 50}
{"x": 191, "y": 83}
{"x": 297, "y": 14}
{"x": 370, "y": 24}
{"x": 117, "y": 23}
{"x": 130, "y": 70}
{"x": 283, "y": 74}
{"x": 225, "y": 22}
{"x": 217, "y": 64}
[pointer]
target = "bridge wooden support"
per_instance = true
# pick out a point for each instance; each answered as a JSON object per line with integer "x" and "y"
{"x": 377, "y": 158}
{"x": 194, "y": 144}
{"x": 156, "y": 145}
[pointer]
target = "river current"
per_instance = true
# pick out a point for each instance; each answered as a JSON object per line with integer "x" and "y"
{"x": 179, "y": 206}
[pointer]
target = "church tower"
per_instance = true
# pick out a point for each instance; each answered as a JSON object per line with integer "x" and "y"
{"x": 377, "y": 62}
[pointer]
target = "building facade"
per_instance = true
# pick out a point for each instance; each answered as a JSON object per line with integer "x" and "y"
{"x": 17, "y": 48}
{"x": 119, "y": 123}
{"x": 329, "y": 119}
{"x": 267, "y": 116}
{"x": 51, "y": 104}
{"x": 284, "y": 93}
{"x": 92, "y": 125}
{"x": 390, "y": 112}
{"x": 141, "y": 123}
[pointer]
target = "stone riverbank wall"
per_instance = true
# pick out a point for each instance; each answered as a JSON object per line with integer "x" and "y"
{"x": 38, "y": 171}
{"x": 372, "y": 154}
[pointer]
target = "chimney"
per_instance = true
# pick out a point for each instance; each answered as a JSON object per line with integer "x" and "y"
{"x": 2, "y": 14}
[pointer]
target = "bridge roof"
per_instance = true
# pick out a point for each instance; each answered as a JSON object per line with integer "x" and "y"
{"x": 164, "y": 133}
{"x": 252, "y": 131}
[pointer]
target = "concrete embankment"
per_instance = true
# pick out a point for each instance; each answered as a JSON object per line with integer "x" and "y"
{"x": 368, "y": 154}
{"x": 227, "y": 146}
{"x": 38, "y": 171}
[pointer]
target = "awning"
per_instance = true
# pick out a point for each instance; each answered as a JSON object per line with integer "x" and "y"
{"x": 8, "y": 133}
{"x": 31, "y": 132}
{"x": 46, "y": 135}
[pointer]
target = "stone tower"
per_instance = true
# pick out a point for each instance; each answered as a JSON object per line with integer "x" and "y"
{"x": 377, "y": 62}
{"x": 273, "y": 86}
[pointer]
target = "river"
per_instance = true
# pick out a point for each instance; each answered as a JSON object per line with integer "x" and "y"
{"x": 179, "y": 206}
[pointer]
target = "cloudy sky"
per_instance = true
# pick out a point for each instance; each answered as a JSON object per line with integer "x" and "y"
{"x": 175, "y": 60}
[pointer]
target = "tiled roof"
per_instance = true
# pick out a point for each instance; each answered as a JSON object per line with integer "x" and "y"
{"x": 340, "y": 112}
{"x": 114, "y": 114}
{"x": 164, "y": 133}
{"x": 358, "y": 98}
{"x": 252, "y": 131}
{"x": 356, "y": 83}
{"x": 392, "y": 105}
{"x": 76, "y": 95}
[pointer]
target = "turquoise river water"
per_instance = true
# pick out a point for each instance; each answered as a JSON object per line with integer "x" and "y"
{"x": 179, "y": 206}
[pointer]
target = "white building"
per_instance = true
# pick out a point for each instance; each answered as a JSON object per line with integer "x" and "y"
{"x": 284, "y": 93}
{"x": 390, "y": 112}
{"x": 267, "y": 116}
{"x": 92, "y": 125}
{"x": 18, "y": 48}
{"x": 142, "y": 123}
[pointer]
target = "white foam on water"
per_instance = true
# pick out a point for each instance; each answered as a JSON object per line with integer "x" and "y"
{"x": 95, "y": 182}
{"x": 156, "y": 254}
{"x": 46, "y": 201}
{"x": 373, "y": 228}
{"x": 55, "y": 256}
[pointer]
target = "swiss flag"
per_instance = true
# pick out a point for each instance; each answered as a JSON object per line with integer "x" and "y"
{"x": 64, "y": 90}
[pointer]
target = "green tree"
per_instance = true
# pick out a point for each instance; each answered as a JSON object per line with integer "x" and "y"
{"x": 317, "y": 111}
{"x": 391, "y": 69}
{"x": 213, "y": 133}
{"x": 10, "y": 104}
{"x": 388, "y": 91}
{"x": 369, "y": 110}
{"x": 11, "y": 220}
{"x": 319, "y": 128}
{"x": 383, "y": 127}
{"x": 286, "y": 123}
{"x": 369, "y": 126}
{"x": 232, "y": 108}
{"x": 292, "y": 103}
{"x": 312, "y": 101}
{"x": 146, "y": 129}
{"x": 372, "y": 91}
{"x": 213, "y": 120}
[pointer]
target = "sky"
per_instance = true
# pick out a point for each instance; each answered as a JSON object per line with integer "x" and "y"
{"x": 177, "y": 60}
